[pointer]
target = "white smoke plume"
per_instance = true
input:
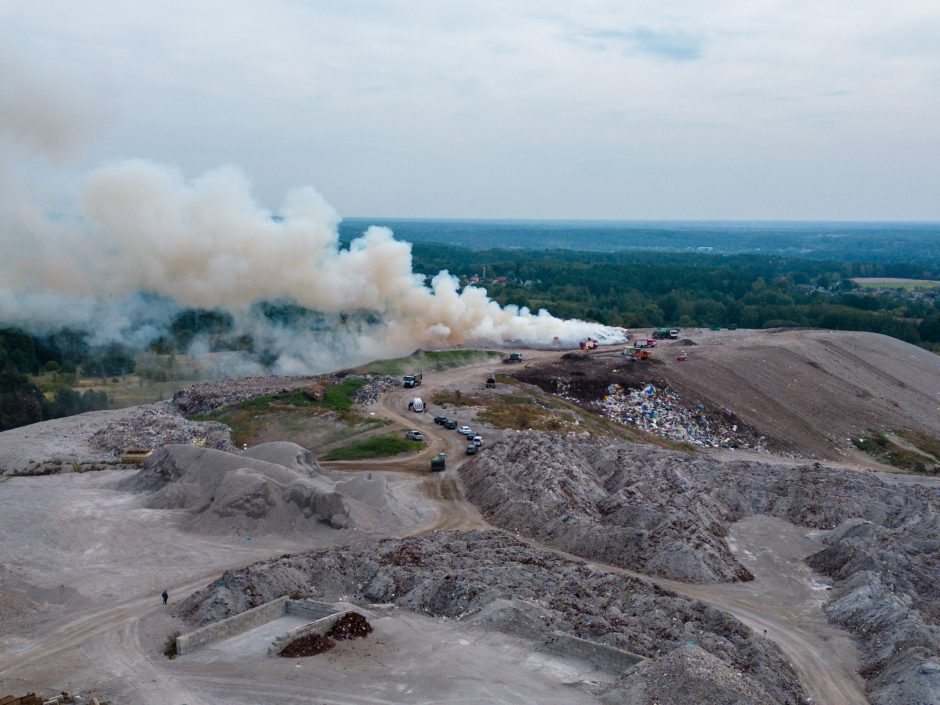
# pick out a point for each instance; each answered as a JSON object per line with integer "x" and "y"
{"x": 146, "y": 242}
{"x": 207, "y": 243}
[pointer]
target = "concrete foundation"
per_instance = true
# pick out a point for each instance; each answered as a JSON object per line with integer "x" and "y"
{"x": 320, "y": 626}
{"x": 250, "y": 619}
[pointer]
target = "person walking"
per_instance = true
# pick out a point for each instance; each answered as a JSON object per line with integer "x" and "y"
{"x": 165, "y": 596}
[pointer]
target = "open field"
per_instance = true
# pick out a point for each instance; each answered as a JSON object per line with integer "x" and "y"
{"x": 896, "y": 283}
{"x": 374, "y": 447}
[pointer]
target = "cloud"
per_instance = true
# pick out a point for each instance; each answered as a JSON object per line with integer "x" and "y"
{"x": 673, "y": 45}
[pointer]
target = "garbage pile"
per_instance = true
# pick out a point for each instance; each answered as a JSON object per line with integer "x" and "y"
{"x": 660, "y": 411}
{"x": 377, "y": 386}
{"x": 207, "y": 396}
{"x": 157, "y": 425}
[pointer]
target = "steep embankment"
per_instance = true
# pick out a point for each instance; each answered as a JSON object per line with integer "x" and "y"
{"x": 667, "y": 514}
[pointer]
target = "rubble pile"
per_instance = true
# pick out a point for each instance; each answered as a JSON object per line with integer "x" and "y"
{"x": 660, "y": 411}
{"x": 377, "y": 386}
{"x": 156, "y": 425}
{"x": 207, "y": 396}
{"x": 351, "y": 625}
{"x": 495, "y": 580}
{"x": 667, "y": 513}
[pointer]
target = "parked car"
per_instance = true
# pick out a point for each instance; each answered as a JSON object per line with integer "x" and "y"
{"x": 463, "y": 430}
{"x": 477, "y": 441}
{"x": 414, "y": 435}
{"x": 472, "y": 449}
{"x": 439, "y": 420}
{"x": 449, "y": 425}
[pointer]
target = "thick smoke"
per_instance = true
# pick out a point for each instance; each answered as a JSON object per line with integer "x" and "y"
{"x": 146, "y": 241}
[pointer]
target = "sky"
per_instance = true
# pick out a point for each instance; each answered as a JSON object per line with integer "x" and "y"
{"x": 757, "y": 109}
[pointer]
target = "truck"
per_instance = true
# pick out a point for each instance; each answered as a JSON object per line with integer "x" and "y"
{"x": 513, "y": 357}
{"x": 589, "y": 344}
{"x": 438, "y": 462}
{"x": 409, "y": 381}
{"x": 661, "y": 333}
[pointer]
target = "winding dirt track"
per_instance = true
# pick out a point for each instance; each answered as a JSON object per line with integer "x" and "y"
{"x": 114, "y": 631}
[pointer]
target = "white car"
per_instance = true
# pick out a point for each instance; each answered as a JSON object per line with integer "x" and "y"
{"x": 477, "y": 441}
{"x": 463, "y": 430}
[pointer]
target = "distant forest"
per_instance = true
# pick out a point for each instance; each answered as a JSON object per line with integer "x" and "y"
{"x": 629, "y": 289}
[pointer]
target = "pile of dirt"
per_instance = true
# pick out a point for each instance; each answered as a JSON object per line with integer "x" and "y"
{"x": 309, "y": 645}
{"x": 687, "y": 676}
{"x": 667, "y": 513}
{"x": 271, "y": 488}
{"x": 155, "y": 425}
{"x": 462, "y": 575}
{"x": 351, "y": 625}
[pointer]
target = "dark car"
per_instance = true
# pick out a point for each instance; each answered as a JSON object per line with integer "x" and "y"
{"x": 472, "y": 449}
{"x": 439, "y": 420}
{"x": 449, "y": 425}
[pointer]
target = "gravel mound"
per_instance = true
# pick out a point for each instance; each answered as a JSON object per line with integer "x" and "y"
{"x": 688, "y": 676}
{"x": 667, "y": 513}
{"x": 156, "y": 425}
{"x": 460, "y": 575}
{"x": 275, "y": 487}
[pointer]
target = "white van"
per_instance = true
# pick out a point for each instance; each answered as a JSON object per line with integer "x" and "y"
{"x": 416, "y": 405}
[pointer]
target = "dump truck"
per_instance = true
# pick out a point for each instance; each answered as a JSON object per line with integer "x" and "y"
{"x": 643, "y": 354}
{"x": 661, "y": 333}
{"x": 409, "y": 381}
{"x": 438, "y": 462}
{"x": 513, "y": 357}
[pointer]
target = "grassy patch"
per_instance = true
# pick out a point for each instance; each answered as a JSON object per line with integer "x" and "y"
{"x": 295, "y": 416}
{"x": 905, "y": 449}
{"x": 374, "y": 447}
{"x": 428, "y": 361}
{"x": 893, "y": 283}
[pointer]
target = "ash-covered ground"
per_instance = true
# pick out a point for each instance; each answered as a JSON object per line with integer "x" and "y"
{"x": 667, "y": 513}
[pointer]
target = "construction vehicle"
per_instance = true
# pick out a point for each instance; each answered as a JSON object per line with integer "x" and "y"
{"x": 644, "y": 354}
{"x": 409, "y": 381}
{"x": 661, "y": 333}
{"x": 513, "y": 357}
{"x": 491, "y": 382}
{"x": 438, "y": 462}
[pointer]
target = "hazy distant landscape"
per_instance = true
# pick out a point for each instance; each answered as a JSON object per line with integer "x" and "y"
{"x": 843, "y": 242}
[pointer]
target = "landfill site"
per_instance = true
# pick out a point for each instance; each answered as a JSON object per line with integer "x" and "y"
{"x": 699, "y": 517}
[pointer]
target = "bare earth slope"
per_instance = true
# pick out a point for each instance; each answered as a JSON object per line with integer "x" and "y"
{"x": 807, "y": 391}
{"x": 666, "y": 513}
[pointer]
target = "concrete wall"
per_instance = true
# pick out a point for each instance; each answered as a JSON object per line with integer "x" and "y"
{"x": 310, "y": 609}
{"x": 604, "y": 657}
{"x": 320, "y": 626}
{"x": 236, "y": 624}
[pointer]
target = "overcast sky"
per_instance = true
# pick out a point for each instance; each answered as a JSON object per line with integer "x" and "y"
{"x": 756, "y": 109}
